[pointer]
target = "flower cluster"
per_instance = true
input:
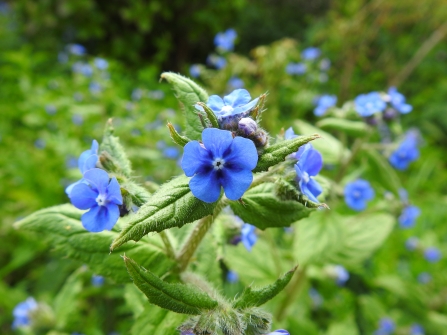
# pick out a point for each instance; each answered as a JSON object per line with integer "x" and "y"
{"x": 371, "y": 103}
{"x": 368, "y": 104}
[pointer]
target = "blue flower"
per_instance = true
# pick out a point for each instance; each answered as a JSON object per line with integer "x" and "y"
{"x": 279, "y": 332}
{"x": 101, "y": 63}
{"x": 432, "y": 254}
{"x": 308, "y": 166}
{"x": 95, "y": 88}
{"x": 325, "y": 64}
{"x": 317, "y": 299}
{"x": 237, "y": 102}
{"x": 77, "y": 119}
{"x": 87, "y": 161}
{"x": 235, "y": 83}
{"x": 323, "y": 103}
{"x": 310, "y": 53}
{"x": 97, "y": 280}
{"x": 102, "y": 196}
{"x": 416, "y": 329}
{"x": 424, "y": 278}
{"x": 296, "y": 68}
{"x": 342, "y": 275}
{"x": 194, "y": 70}
{"x": 412, "y": 243}
{"x": 368, "y": 104}
{"x": 406, "y": 153}
{"x": 357, "y": 193}
{"x": 409, "y": 216}
{"x": 218, "y": 62}
{"x": 225, "y": 41}
{"x": 386, "y": 327}
{"x": 220, "y": 161}
{"x": 397, "y": 100}
{"x": 248, "y": 236}
{"x": 232, "y": 277}
{"x": 50, "y": 109}
{"x": 22, "y": 311}
{"x": 76, "y": 49}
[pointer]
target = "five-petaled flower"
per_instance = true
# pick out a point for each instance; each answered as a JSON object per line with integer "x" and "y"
{"x": 408, "y": 216}
{"x": 323, "y": 103}
{"x": 432, "y": 254}
{"x": 87, "y": 161}
{"x": 368, "y": 104}
{"x": 357, "y": 193}
{"x": 22, "y": 312}
{"x": 310, "y": 53}
{"x": 220, "y": 161}
{"x": 308, "y": 166}
{"x": 237, "y": 102}
{"x": 397, "y": 100}
{"x": 102, "y": 196}
{"x": 406, "y": 153}
{"x": 225, "y": 40}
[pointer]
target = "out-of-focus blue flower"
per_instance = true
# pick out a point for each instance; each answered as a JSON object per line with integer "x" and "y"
{"x": 77, "y": 119}
{"x": 317, "y": 299}
{"x": 218, "y": 62}
{"x": 412, "y": 243}
{"x": 194, "y": 70}
{"x": 409, "y": 216}
{"x": 248, "y": 236}
{"x": 97, "y": 280}
{"x": 50, "y": 109}
{"x": 137, "y": 94}
{"x": 424, "y": 278}
{"x": 78, "y": 97}
{"x": 342, "y": 275}
{"x": 102, "y": 196}
{"x": 76, "y": 49}
{"x": 40, "y": 143}
{"x": 62, "y": 57}
{"x": 171, "y": 152}
{"x": 235, "y": 83}
{"x": 95, "y": 88}
{"x": 22, "y": 311}
{"x": 432, "y": 254}
{"x": 325, "y": 64}
{"x": 221, "y": 161}
{"x": 296, "y": 68}
{"x": 156, "y": 94}
{"x": 101, "y": 63}
{"x": 406, "y": 153}
{"x": 386, "y": 327}
{"x": 323, "y": 77}
{"x": 87, "y": 70}
{"x": 397, "y": 100}
{"x": 71, "y": 162}
{"x": 279, "y": 332}
{"x": 368, "y": 104}
{"x": 357, "y": 193}
{"x": 237, "y": 102}
{"x": 416, "y": 329}
{"x": 232, "y": 277}
{"x": 310, "y": 53}
{"x": 4, "y": 8}
{"x": 308, "y": 166}
{"x": 323, "y": 103}
{"x": 225, "y": 41}
{"x": 403, "y": 195}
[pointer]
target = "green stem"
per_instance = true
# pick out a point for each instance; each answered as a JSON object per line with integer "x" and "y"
{"x": 291, "y": 291}
{"x": 196, "y": 236}
{"x": 358, "y": 143}
{"x": 168, "y": 246}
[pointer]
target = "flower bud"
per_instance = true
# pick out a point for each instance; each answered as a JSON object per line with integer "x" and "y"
{"x": 248, "y": 126}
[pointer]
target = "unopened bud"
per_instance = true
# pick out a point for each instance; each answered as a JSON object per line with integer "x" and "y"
{"x": 248, "y": 126}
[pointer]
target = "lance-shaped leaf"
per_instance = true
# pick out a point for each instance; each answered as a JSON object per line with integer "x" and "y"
{"x": 173, "y": 205}
{"x": 188, "y": 93}
{"x": 256, "y": 298}
{"x": 262, "y": 208}
{"x": 61, "y": 228}
{"x": 116, "y": 159}
{"x": 175, "y": 297}
{"x": 278, "y": 152}
{"x": 355, "y": 128}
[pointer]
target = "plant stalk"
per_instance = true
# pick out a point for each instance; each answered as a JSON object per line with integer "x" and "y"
{"x": 291, "y": 291}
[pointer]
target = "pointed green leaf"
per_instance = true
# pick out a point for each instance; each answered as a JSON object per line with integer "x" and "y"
{"x": 256, "y": 298}
{"x": 157, "y": 321}
{"x": 354, "y": 128}
{"x": 175, "y": 297}
{"x": 263, "y": 209}
{"x": 188, "y": 93}
{"x": 278, "y": 152}
{"x": 173, "y": 205}
{"x": 61, "y": 228}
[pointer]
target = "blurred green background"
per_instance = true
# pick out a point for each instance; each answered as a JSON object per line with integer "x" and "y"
{"x": 53, "y": 102}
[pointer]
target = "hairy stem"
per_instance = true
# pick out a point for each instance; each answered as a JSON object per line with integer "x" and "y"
{"x": 168, "y": 246}
{"x": 291, "y": 291}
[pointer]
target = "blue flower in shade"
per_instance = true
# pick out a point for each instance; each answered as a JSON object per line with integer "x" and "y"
{"x": 409, "y": 216}
{"x": 235, "y": 83}
{"x": 76, "y": 49}
{"x": 101, "y": 63}
{"x": 77, "y": 119}
{"x": 102, "y": 196}
{"x": 237, "y": 102}
{"x": 368, "y": 104}
{"x": 248, "y": 236}
{"x": 232, "y": 277}
{"x": 424, "y": 278}
{"x": 386, "y": 327}
{"x": 357, "y": 193}
{"x": 416, "y": 330}
{"x": 50, "y": 109}
{"x": 97, "y": 281}
{"x": 397, "y": 100}
{"x": 225, "y": 41}
{"x": 194, "y": 70}
{"x": 279, "y": 332}
{"x": 22, "y": 311}
{"x": 310, "y": 53}
{"x": 308, "y": 166}
{"x": 95, "y": 88}
{"x": 412, "y": 243}
{"x": 323, "y": 103}
{"x": 341, "y": 275}
{"x": 432, "y": 254}
{"x": 221, "y": 161}
{"x": 218, "y": 62}
{"x": 406, "y": 153}
{"x": 87, "y": 161}
{"x": 296, "y": 68}
{"x": 325, "y": 64}
{"x": 317, "y": 299}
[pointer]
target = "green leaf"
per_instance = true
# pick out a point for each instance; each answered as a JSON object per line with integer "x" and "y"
{"x": 278, "y": 152}
{"x": 354, "y": 128}
{"x": 173, "y": 205}
{"x": 188, "y": 93}
{"x": 256, "y": 298}
{"x": 330, "y": 148}
{"x": 61, "y": 228}
{"x": 119, "y": 163}
{"x": 382, "y": 170}
{"x": 175, "y": 297}
{"x": 157, "y": 321}
{"x": 263, "y": 209}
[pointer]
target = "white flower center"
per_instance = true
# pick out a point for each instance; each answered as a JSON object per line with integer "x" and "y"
{"x": 218, "y": 163}
{"x": 305, "y": 177}
{"x": 101, "y": 200}
{"x": 356, "y": 194}
{"x": 369, "y": 105}
{"x": 227, "y": 109}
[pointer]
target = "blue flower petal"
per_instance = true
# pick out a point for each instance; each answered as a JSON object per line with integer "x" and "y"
{"x": 245, "y": 108}
{"x": 306, "y": 191}
{"x": 237, "y": 98}
{"x": 205, "y": 186}
{"x": 70, "y": 187}
{"x": 100, "y": 218}
{"x": 83, "y": 196}
{"x": 315, "y": 188}
{"x": 83, "y": 158}
{"x": 98, "y": 179}
{"x": 312, "y": 161}
{"x": 235, "y": 183}
{"x": 289, "y": 134}
{"x": 243, "y": 154}
{"x": 90, "y": 163}
{"x": 216, "y": 141}
{"x": 195, "y": 159}
{"x": 356, "y": 204}
{"x": 216, "y": 103}
{"x": 114, "y": 192}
